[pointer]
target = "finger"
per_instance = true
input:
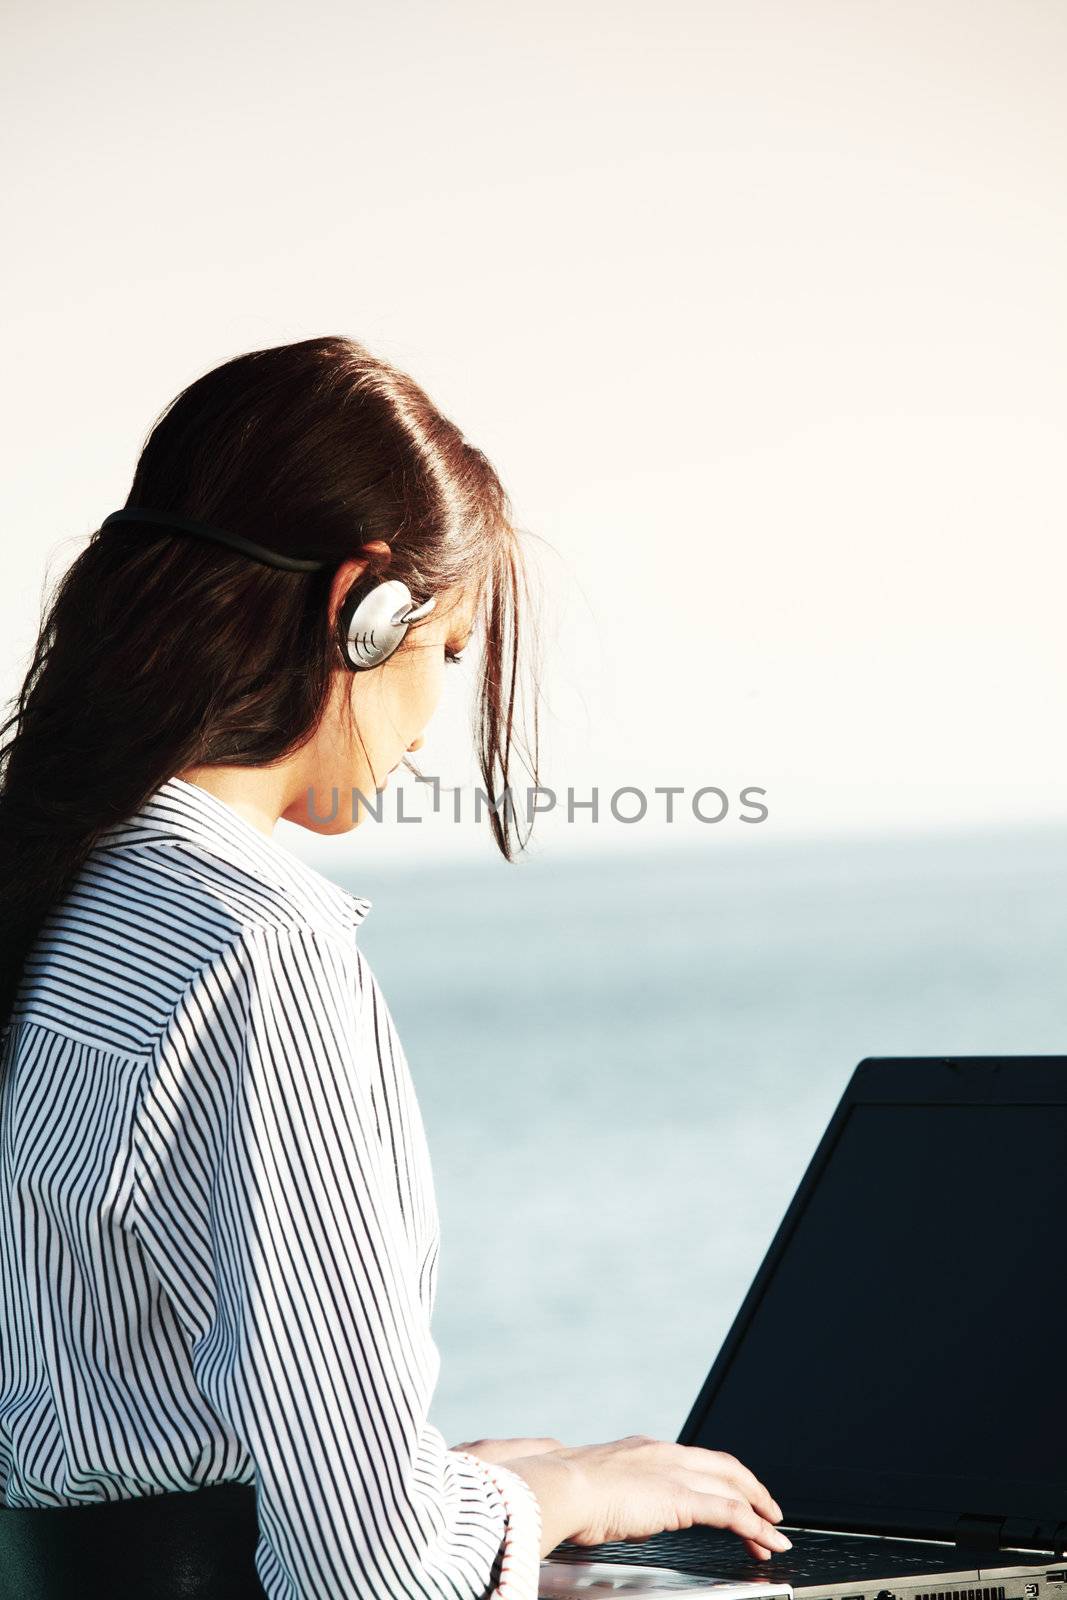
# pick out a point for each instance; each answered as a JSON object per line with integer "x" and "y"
{"x": 760, "y": 1551}
{"x": 705, "y": 1482}
{"x": 745, "y": 1478}
{"x": 726, "y": 1511}
{"x": 723, "y": 1465}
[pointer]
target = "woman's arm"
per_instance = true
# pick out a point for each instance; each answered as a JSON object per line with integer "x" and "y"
{"x": 557, "y": 1483}
{"x": 561, "y": 1493}
{"x": 272, "y": 1215}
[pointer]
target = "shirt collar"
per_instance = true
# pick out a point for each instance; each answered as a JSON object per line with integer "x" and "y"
{"x": 185, "y": 811}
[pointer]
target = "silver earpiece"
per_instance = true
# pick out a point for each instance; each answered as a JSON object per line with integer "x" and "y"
{"x": 375, "y": 626}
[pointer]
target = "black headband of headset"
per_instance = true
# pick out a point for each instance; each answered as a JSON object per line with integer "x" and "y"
{"x": 202, "y": 530}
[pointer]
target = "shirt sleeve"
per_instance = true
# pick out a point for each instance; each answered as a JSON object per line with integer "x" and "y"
{"x": 269, "y": 1209}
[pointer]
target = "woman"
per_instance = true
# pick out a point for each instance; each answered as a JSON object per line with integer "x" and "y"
{"x": 218, "y": 1237}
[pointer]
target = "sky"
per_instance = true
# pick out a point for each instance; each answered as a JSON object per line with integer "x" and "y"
{"x": 757, "y": 309}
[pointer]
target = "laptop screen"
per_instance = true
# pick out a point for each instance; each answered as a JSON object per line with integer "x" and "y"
{"x": 905, "y": 1346}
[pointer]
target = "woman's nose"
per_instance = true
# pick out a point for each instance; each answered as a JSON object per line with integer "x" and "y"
{"x": 417, "y": 744}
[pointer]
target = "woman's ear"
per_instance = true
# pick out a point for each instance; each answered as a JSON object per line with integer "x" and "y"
{"x": 350, "y": 572}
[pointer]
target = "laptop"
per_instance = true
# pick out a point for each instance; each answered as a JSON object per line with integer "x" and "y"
{"x": 897, "y": 1373}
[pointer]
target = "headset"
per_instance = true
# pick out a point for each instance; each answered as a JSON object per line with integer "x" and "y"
{"x": 370, "y": 626}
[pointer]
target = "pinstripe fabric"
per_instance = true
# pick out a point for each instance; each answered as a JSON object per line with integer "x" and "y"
{"x": 218, "y": 1232}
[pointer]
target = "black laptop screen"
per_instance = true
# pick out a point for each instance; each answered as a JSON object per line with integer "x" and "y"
{"x": 910, "y": 1345}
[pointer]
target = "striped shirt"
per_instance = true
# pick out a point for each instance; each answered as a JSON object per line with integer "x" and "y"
{"x": 218, "y": 1230}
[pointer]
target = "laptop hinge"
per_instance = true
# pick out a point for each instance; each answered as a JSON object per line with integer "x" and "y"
{"x": 978, "y": 1533}
{"x": 1007, "y": 1533}
{"x": 1023, "y": 1533}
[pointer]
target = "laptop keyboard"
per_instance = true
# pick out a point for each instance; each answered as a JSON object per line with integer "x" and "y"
{"x": 816, "y": 1558}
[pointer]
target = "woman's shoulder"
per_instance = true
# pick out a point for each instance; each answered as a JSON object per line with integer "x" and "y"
{"x": 142, "y": 928}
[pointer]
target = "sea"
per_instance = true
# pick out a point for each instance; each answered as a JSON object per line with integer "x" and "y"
{"x": 625, "y": 1061}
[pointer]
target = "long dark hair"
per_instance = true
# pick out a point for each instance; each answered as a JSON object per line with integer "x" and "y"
{"x": 158, "y": 653}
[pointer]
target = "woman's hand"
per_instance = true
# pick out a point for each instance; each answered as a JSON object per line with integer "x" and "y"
{"x": 499, "y": 1451}
{"x": 635, "y": 1487}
